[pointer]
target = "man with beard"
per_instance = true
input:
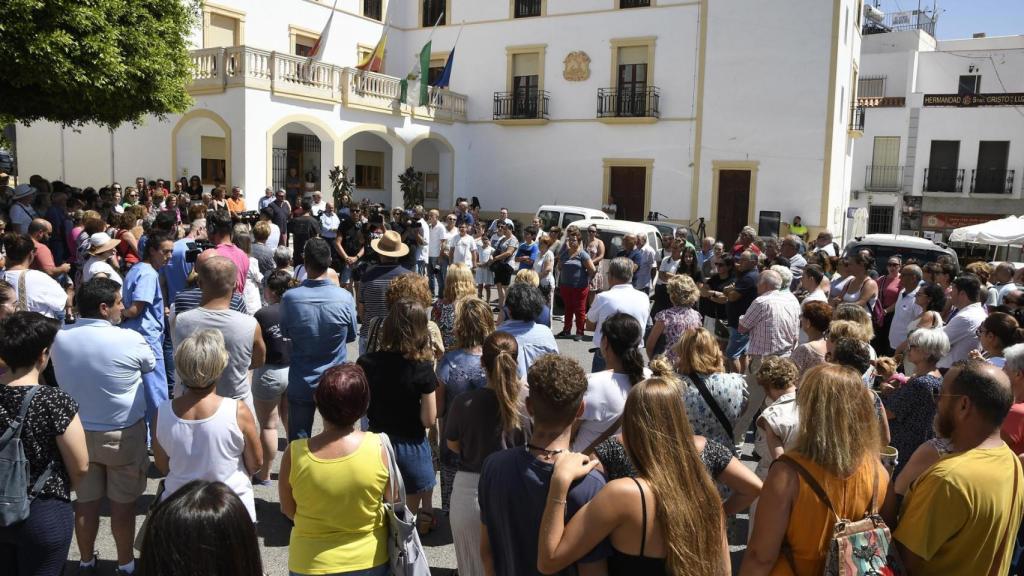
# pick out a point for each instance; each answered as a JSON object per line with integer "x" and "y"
{"x": 962, "y": 514}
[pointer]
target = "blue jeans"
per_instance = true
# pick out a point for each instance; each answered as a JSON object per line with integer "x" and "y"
{"x": 421, "y": 267}
{"x": 737, "y": 344}
{"x": 300, "y": 418}
{"x": 382, "y": 570}
{"x": 433, "y": 273}
{"x": 154, "y": 386}
{"x": 442, "y": 274}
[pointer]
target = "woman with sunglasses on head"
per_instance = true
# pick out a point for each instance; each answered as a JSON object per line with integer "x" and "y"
{"x": 596, "y": 249}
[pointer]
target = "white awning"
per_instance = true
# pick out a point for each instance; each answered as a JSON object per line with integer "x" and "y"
{"x": 1007, "y": 231}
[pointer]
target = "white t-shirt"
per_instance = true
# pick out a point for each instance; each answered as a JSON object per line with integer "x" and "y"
{"x": 423, "y": 251}
{"x": 668, "y": 265}
{"x": 546, "y": 259}
{"x": 603, "y": 402}
{"x": 44, "y": 294}
{"x": 436, "y": 236}
{"x": 619, "y": 298}
{"x": 94, "y": 266}
{"x": 447, "y": 237}
{"x": 462, "y": 248}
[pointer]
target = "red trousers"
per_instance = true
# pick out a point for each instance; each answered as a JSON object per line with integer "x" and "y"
{"x": 575, "y": 301}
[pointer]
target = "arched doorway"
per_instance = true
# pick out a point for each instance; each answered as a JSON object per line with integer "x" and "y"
{"x": 301, "y": 157}
{"x": 374, "y": 158}
{"x": 201, "y": 146}
{"x": 432, "y": 156}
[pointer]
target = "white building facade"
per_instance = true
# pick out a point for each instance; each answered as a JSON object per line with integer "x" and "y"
{"x": 688, "y": 108}
{"x": 943, "y": 142}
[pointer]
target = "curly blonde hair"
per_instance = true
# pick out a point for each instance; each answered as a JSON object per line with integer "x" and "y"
{"x": 682, "y": 290}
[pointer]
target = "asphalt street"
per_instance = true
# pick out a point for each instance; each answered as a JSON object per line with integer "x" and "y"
{"x": 273, "y": 529}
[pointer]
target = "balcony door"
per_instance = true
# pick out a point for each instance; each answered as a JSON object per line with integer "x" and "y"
{"x": 525, "y": 85}
{"x": 885, "y": 160}
{"x": 943, "y": 166}
{"x": 632, "y": 81}
{"x": 990, "y": 177}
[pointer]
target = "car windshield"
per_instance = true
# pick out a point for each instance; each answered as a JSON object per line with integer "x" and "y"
{"x": 549, "y": 218}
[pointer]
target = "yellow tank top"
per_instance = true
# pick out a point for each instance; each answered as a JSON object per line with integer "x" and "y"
{"x": 340, "y": 524}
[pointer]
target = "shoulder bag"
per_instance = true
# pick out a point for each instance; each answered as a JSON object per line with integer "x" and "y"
{"x": 405, "y": 551}
{"x": 604, "y": 436}
{"x": 702, "y": 387}
{"x": 856, "y": 548}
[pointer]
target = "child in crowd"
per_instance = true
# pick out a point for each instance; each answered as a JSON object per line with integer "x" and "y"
{"x": 484, "y": 276}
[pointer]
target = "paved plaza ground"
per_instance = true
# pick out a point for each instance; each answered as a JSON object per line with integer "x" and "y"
{"x": 273, "y": 528}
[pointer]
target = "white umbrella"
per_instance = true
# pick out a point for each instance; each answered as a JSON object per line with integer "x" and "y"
{"x": 1006, "y": 231}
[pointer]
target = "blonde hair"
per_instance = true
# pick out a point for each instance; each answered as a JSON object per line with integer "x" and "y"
{"x": 659, "y": 440}
{"x": 856, "y": 313}
{"x": 847, "y": 329}
{"x": 527, "y": 276}
{"x": 682, "y": 290}
{"x": 777, "y": 373}
{"x": 409, "y": 287}
{"x": 200, "y": 359}
{"x": 500, "y": 351}
{"x": 458, "y": 283}
{"x": 406, "y": 331}
{"x": 698, "y": 351}
{"x": 474, "y": 322}
{"x": 838, "y": 424}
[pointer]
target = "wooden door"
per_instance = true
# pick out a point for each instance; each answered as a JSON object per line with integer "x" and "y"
{"x": 628, "y": 184}
{"x": 733, "y": 204}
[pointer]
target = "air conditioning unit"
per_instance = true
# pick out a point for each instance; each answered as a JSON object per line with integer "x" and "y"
{"x": 874, "y": 14}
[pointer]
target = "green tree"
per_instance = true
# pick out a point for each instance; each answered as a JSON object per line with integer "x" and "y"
{"x": 102, "y": 61}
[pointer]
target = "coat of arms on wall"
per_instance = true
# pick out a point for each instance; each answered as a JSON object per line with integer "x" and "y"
{"x": 577, "y": 66}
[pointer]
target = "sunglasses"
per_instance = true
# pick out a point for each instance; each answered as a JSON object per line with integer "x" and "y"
{"x": 591, "y": 231}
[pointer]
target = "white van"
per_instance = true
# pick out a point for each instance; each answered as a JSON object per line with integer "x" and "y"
{"x": 558, "y": 215}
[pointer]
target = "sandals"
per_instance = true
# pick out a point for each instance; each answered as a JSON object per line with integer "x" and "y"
{"x": 425, "y": 522}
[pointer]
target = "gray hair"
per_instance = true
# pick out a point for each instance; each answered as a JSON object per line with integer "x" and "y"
{"x": 748, "y": 231}
{"x": 770, "y": 278}
{"x": 621, "y": 269}
{"x": 785, "y": 274}
{"x": 791, "y": 240}
{"x": 282, "y": 256}
{"x": 932, "y": 341}
{"x": 200, "y": 359}
{"x": 771, "y": 242}
{"x": 1014, "y": 356}
{"x": 914, "y": 270}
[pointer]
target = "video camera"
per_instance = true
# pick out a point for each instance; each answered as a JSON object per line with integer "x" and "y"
{"x": 249, "y": 217}
{"x": 194, "y": 248}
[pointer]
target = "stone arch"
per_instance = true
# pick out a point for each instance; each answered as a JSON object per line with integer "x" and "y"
{"x": 330, "y": 154}
{"x": 444, "y": 163}
{"x": 395, "y": 159}
{"x": 217, "y": 119}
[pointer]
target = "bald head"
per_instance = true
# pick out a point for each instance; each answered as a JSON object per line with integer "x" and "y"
{"x": 204, "y": 257}
{"x": 39, "y": 227}
{"x": 988, "y": 389}
{"x": 217, "y": 276}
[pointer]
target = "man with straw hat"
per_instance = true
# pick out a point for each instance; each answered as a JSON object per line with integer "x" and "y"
{"x": 375, "y": 281}
{"x": 22, "y": 212}
{"x": 102, "y": 260}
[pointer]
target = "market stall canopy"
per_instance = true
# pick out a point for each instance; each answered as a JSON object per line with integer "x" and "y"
{"x": 1007, "y": 231}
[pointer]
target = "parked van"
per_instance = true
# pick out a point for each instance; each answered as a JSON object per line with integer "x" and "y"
{"x": 558, "y": 215}
{"x": 882, "y": 246}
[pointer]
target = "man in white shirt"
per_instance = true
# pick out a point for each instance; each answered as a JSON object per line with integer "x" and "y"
{"x": 502, "y": 218}
{"x": 101, "y": 367}
{"x": 318, "y": 205}
{"x": 963, "y": 324}
{"x": 423, "y": 250}
{"x": 462, "y": 248}
{"x": 268, "y": 197}
{"x": 620, "y": 297}
{"x": 647, "y": 271}
{"x": 906, "y": 306}
{"x": 434, "y": 248}
{"x": 823, "y": 243}
{"x": 444, "y": 259}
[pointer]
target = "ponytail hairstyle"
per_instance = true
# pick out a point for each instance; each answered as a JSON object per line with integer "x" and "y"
{"x": 623, "y": 333}
{"x": 1004, "y": 328}
{"x": 500, "y": 352}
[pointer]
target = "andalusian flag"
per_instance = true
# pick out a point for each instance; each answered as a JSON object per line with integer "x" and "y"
{"x": 420, "y": 69}
{"x": 374, "y": 61}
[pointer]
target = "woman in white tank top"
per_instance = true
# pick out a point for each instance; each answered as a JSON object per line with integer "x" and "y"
{"x": 203, "y": 436}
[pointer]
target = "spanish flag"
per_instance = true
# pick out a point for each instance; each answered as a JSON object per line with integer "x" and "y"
{"x": 374, "y": 61}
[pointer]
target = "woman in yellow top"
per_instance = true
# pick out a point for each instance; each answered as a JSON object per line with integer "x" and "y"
{"x": 838, "y": 444}
{"x": 332, "y": 485}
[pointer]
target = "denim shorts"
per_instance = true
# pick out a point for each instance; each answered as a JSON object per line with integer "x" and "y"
{"x": 416, "y": 463}
{"x": 269, "y": 382}
{"x": 737, "y": 344}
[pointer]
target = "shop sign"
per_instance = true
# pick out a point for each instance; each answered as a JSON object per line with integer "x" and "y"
{"x": 945, "y": 220}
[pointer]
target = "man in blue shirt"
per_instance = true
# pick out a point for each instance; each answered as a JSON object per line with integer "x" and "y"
{"x": 177, "y": 271}
{"x": 509, "y": 535}
{"x": 145, "y": 311}
{"x": 320, "y": 319}
{"x": 524, "y": 304}
{"x": 528, "y": 250}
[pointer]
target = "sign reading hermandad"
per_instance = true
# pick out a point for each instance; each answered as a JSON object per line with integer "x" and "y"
{"x": 972, "y": 100}
{"x": 577, "y": 66}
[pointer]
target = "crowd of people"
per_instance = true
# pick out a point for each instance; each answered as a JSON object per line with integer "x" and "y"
{"x": 176, "y": 329}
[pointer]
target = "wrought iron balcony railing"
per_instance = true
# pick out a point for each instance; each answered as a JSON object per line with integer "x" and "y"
{"x": 619, "y": 103}
{"x": 521, "y": 104}
{"x": 883, "y": 178}
{"x": 992, "y": 181}
{"x": 944, "y": 180}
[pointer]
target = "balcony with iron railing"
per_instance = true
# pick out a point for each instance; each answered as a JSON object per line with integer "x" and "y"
{"x": 629, "y": 103}
{"x": 524, "y": 104}
{"x": 992, "y": 181}
{"x": 218, "y": 69}
{"x": 883, "y": 178}
{"x": 901, "y": 21}
{"x": 948, "y": 180}
{"x": 857, "y": 120}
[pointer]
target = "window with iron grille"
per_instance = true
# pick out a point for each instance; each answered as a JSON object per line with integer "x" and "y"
{"x": 871, "y": 87}
{"x": 432, "y": 10}
{"x": 527, "y": 8}
{"x": 880, "y": 219}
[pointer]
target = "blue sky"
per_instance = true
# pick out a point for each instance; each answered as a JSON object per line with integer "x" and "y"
{"x": 962, "y": 18}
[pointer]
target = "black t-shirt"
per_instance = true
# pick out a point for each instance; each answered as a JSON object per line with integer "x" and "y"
{"x": 49, "y": 415}
{"x": 279, "y": 348}
{"x": 716, "y": 284}
{"x": 349, "y": 232}
{"x": 396, "y": 389}
{"x": 281, "y": 213}
{"x": 746, "y": 285}
{"x": 475, "y": 422}
{"x": 302, "y": 228}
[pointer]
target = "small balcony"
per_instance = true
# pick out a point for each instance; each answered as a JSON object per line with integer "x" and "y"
{"x": 857, "y": 119}
{"x": 947, "y": 180}
{"x": 992, "y": 181}
{"x": 218, "y": 69}
{"x": 523, "y": 104}
{"x": 883, "y": 178}
{"x": 618, "y": 103}
{"x": 527, "y": 8}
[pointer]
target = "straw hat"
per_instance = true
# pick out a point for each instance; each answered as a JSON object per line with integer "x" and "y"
{"x": 101, "y": 242}
{"x": 390, "y": 245}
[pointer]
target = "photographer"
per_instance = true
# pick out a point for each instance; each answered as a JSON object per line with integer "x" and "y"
{"x": 180, "y": 265}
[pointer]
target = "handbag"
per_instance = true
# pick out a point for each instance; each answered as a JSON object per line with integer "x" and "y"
{"x": 857, "y": 548}
{"x": 405, "y": 551}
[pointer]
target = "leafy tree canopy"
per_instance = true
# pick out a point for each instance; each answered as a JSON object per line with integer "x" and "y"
{"x": 102, "y": 61}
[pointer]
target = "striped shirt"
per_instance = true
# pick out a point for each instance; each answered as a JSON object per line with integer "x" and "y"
{"x": 773, "y": 323}
{"x": 190, "y": 298}
{"x": 373, "y": 293}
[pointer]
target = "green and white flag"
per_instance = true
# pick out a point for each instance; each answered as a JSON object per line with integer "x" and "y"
{"x": 419, "y": 71}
